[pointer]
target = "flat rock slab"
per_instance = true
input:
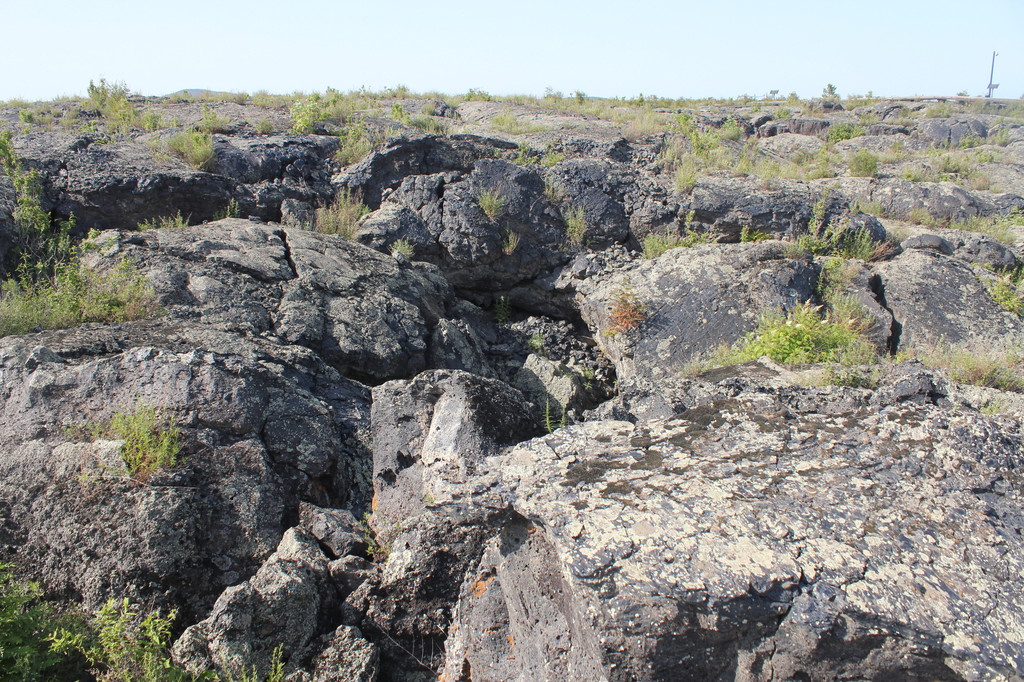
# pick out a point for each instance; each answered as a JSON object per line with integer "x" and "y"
{"x": 733, "y": 541}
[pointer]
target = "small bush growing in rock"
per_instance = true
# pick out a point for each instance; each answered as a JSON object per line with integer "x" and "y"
{"x": 627, "y": 312}
{"x": 837, "y": 132}
{"x": 575, "y": 224}
{"x": 121, "y": 645}
{"x": 151, "y": 440}
{"x": 803, "y": 336}
{"x": 402, "y": 246}
{"x": 195, "y": 148}
{"x": 342, "y": 217}
{"x": 26, "y": 623}
{"x": 265, "y": 127}
{"x": 864, "y": 164}
{"x": 77, "y": 295}
{"x": 491, "y": 203}
{"x": 212, "y": 122}
{"x": 1006, "y": 295}
{"x": 749, "y": 234}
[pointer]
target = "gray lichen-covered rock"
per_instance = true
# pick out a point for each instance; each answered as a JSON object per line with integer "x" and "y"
{"x": 288, "y": 603}
{"x": 438, "y": 427}
{"x": 692, "y": 300}
{"x": 939, "y": 300}
{"x": 366, "y": 314}
{"x": 262, "y": 426}
{"x": 737, "y": 539}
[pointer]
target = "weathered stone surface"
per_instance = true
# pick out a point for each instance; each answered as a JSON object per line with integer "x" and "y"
{"x": 721, "y": 542}
{"x": 694, "y": 299}
{"x": 439, "y": 426}
{"x": 939, "y": 300}
{"x": 262, "y": 427}
{"x": 365, "y": 313}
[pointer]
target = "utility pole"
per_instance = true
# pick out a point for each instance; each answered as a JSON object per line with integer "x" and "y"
{"x": 992, "y": 86}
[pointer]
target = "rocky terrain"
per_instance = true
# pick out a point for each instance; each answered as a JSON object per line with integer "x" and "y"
{"x": 471, "y": 389}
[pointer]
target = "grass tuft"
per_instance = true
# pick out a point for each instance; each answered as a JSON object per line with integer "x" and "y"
{"x": 342, "y": 217}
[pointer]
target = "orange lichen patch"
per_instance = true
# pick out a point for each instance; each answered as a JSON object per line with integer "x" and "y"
{"x": 480, "y": 586}
{"x": 531, "y": 529}
{"x": 373, "y": 502}
{"x": 511, "y": 642}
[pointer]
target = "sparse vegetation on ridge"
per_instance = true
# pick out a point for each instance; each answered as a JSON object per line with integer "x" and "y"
{"x": 341, "y": 217}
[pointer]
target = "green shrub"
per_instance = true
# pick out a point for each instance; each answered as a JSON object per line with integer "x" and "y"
{"x": 686, "y": 175}
{"x": 165, "y": 222}
{"x": 342, "y": 217}
{"x": 76, "y": 295}
{"x": 575, "y": 224}
{"x": 212, "y": 123}
{"x": 491, "y": 203}
{"x": 502, "y": 309}
{"x": 151, "y": 440}
{"x": 803, "y": 336}
{"x": 232, "y": 210}
{"x": 510, "y": 241}
{"x": 1006, "y": 295}
{"x": 123, "y": 647}
{"x": 306, "y": 113}
{"x": 41, "y": 245}
{"x": 402, "y": 246}
{"x": 355, "y": 144}
{"x": 551, "y": 159}
{"x": 837, "y": 132}
{"x": 265, "y": 127}
{"x": 656, "y": 244}
{"x": 194, "y": 148}
{"x": 864, "y": 164}
{"x": 731, "y": 130}
{"x": 26, "y": 623}
{"x": 749, "y": 234}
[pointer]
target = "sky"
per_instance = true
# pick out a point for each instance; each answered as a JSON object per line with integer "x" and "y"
{"x": 724, "y": 48}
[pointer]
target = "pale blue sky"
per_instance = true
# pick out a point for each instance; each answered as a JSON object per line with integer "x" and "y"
{"x": 673, "y": 49}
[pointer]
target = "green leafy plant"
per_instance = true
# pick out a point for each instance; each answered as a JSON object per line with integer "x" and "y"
{"x": 502, "y": 310}
{"x": 211, "y": 122}
{"x": 165, "y": 222}
{"x": 379, "y": 535}
{"x": 123, "y": 646}
{"x": 731, "y": 130}
{"x": 194, "y": 147}
{"x": 575, "y": 224}
{"x": 41, "y": 245}
{"x": 550, "y": 423}
{"x": 491, "y": 203}
{"x": 341, "y": 217}
{"x": 864, "y": 164}
{"x": 837, "y": 132}
{"x": 749, "y": 234}
{"x": 402, "y": 246}
{"x": 537, "y": 344}
{"x": 803, "y": 336}
{"x": 26, "y": 623}
{"x": 306, "y": 113}
{"x": 1006, "y": 295}
{"x": 265, "y": 127}
{"x": 151, "y": 441}
{"x": 551, "y": 159}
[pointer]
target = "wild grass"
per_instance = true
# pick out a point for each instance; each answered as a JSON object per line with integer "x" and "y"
{"x": 656, "y": 244}
{"x": 195, "y": 148}
{"x": 164, "y": 222}
{"x": 492, "y": 203}
{"x": 340, "y": 217}
{"x": 211, "y": 122}
{"x": 1006, "y": 295}
{"x": 863, "y": 164}
{"x": 969, "y": 364}
{"x": 575, "y": 224}
{"x": 507, "y": 122}
{"x": 355, "y": 143}
{"x": 403, "y": 247}
{"x": 77, "y": 295}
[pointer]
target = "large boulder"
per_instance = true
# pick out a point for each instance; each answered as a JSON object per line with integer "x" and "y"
{"x": 937, "y": 300}
{"x": 365, "y": 313}
{"x": 262, "y": 428}
{"x": 690, "y": 301}
{"x": 739, "y": 539}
